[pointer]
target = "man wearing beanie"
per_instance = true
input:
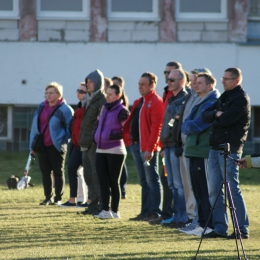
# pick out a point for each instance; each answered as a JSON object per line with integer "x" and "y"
{"x": 92, "y": 103}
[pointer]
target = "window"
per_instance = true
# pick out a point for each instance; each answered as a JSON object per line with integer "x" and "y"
{"x": 125, "y": 9}
{"x": 8, "y": 9}
{"x": 5, "y": 122}
{"x": 201, "y": 9}
{"x": 63, "y": 9}
{"x": 254, "y": 9}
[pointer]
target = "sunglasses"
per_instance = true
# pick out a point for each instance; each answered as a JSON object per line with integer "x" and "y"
{"x": 80, "y": 91}
{"x": 171, "y": 79}
{"x": 166, "y": 72}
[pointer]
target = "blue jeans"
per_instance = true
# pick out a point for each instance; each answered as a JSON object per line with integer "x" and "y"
{"x": 175, "y": 184}
{"x": 149, "y": 180}
{"x": 215, "y": 178}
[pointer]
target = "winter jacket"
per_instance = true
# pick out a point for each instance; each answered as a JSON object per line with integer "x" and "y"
{"x": 197, "y": 143}
{"x": 58, "y": 125}
{"x": 91, "y": 113}
{"x": 76, "y": 123}
{"x": 150, "y": 123}
{"x": 169, "y": 133}
{"x": 232, "y": 126}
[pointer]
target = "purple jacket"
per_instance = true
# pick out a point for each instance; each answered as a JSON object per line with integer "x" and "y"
{"x": 109, "y": 123}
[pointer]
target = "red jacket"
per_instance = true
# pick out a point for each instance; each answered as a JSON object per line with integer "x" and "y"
{"x": 76, "y": 123}
{"x": 150, "y": 123}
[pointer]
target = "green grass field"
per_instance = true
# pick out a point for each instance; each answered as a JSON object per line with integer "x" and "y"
{"x": 30, "y": 231}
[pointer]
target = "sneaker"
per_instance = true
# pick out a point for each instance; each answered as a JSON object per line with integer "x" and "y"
{"x": 193, "y": 231}
{"x": 82, "y": 205}
{"x": 199, "y": 233}
{"x": 213, "y": 234}
{"x": 168, "y": 220}
{"x": 116, "y": 214}
{"x": 151, "y": 216}
{"x": 190, "y": 226}
{"x": 46, "y": 202}
{"x": 104, "y": 214}
{"x": 137, "y": 218}
{"x": 243, "y": 235}
{"x": 67, "y": 204}
{"x": 56, "y": 202}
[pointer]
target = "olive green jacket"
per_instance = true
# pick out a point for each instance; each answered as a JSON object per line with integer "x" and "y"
{"x": 92, "y": 111}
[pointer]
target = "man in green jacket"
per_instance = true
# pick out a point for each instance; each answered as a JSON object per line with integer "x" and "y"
{"x": 197, "y": 149}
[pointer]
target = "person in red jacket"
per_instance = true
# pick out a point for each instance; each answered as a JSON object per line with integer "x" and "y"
{"x": 141, "y": 132}
{"x": 75, "y": 168}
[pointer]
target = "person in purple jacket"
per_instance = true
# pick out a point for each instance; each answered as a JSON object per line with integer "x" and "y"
{"x": 111, "y": 151}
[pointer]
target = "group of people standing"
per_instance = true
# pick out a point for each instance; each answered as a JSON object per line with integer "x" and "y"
{"x": 97, "y": 147}
{"x": 185, "y": 127}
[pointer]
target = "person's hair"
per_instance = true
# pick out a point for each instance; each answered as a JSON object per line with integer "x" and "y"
{"x": 208, "y": 78}
{"x": 121, "y": 92}
{"x": 187, "y": 74}
{"x": 58, "y": 88}
{"x": 108, "y": 81}
{"x": 235, "y": 72}
{"x": 175, "y": 64}
{"x": 83, "y": 84}
{"x": 120, "y": 80}
{"x": 181, "y": 75}
{"x": 152, "y": 77}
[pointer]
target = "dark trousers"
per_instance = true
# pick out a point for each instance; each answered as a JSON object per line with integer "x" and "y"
{"x": 200, "y": 189}
{"x": 75, "y": 163}
{"x": 167, "y": 208}
{"x": 91, "y": 178}
{"x": 109, "y": 168}
{"x": 51, "y": 160}
{"x": 123, "y": 180}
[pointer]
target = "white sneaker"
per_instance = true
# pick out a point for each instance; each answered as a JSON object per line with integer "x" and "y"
{"x": 104, "y": 214}
{"x": 199, "y": 233}
{"x": 197, "y": 229}
{"x": 116, "y": 214}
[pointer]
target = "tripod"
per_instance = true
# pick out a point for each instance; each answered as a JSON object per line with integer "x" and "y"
{"x": 227, "y": 197}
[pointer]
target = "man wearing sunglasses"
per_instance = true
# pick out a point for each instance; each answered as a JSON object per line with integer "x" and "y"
{"x": 176, "y": 84}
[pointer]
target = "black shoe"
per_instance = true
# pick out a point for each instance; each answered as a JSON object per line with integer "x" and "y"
{"x": 82, "y": 205}
{"x": 137, "y": 218}
{"x": 156, "y": 221}
{"x": 151, "y": 216}
{"x": 243, "y": 235}
{"x": 213, "y": 234}
{"x": 46, "y": 202}
{"x": 67, "y": 204}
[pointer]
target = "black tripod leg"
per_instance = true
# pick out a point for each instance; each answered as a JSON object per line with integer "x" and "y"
{"x": 210, "y": 214}
{"x": 235, "y": 221}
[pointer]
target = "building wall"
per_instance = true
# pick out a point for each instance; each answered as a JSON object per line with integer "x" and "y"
{"x": 36, "y": 50}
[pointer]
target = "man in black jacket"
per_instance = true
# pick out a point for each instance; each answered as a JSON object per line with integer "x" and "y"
{"x": 230, "y": 119}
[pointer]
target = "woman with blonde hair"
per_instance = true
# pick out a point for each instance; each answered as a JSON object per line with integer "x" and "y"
{"x": 51, "y": 120}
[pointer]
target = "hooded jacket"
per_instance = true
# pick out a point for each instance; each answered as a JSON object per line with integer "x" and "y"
{"x": 92, "y": 107}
